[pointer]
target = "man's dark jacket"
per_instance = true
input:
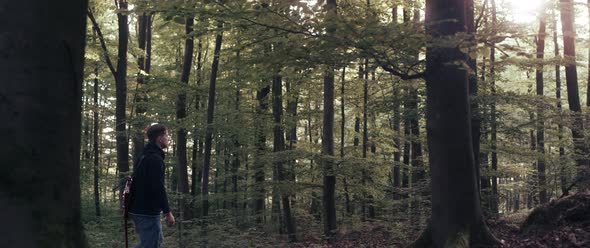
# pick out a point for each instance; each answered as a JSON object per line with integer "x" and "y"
{"x": 148, "y": 195}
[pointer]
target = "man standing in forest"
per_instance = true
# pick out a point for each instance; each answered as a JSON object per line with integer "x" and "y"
{"x": 148, "y": 194}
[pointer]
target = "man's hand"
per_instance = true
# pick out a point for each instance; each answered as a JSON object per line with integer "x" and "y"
{"x": 170, "y": 219}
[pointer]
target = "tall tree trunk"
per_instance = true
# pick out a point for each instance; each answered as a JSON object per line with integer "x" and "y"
{"x": 95, "y": 146}
{"x": 260, "y": 144}
{"x": 364, "y": 175}
{"x": 485, "y": 184}
{"x": 236, "y": 152}
{"x": 457, "y": 219}
{"x": 197, "y": 171}
{"x": 342, "y": 129}
{"x": 210, "y": 114}
{"x": 181, "y": 133}
{"x": 588, "y": 76}
{"x": 397, "y": 177}
{"x": 571, "y": 77}
{"x": 42, "y": 73}
{"x": 121, "y": 91}
{"x": 292, "y": 102}
{"x": 329, "y": 191}
{"x": 279, "y": 146}
{"x": 540, "y": 119}
{"x": 314, "y": 206}
{"x": 473, "y": 89}
{"x": 144, "y": 24}
{"x": 407, "y": 143}
{"x": 562, "y": 164}
{"x": 493, "y": 123}
{"x": 396, "y": 129}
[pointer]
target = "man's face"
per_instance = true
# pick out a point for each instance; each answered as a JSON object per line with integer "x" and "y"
{"x": 164, "y": 139}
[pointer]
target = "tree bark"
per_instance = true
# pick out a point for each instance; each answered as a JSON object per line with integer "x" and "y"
{"x": 197, "y": 170}
{"x": 571, "y": 77}
{"x": 347, "y": 203}
{"x": 121, "y": 91}
{"x": 42, "y": 64}
{"x": 329, "y": 189}
{"x": 279, "y": 146}
{"x": 364, "y": 179}
{"x": 473, "y": 89}
{"x": 457, "y": 219}
{"x": 181, "y": 133}
{"x": 562, "y": 164}
{"x": 210, "y": 115}
{"x": 493, "y": 124}
{"x": 260, "y": 140}
{"x": 95, "y": 146}
{"x": 143, "y": 62}
{"x": 540, "y": 119}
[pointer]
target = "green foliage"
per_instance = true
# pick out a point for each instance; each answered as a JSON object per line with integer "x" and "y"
{"x": 263, "y": 39}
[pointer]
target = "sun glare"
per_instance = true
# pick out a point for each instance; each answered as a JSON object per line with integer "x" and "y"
{"x": 524, "y": 11}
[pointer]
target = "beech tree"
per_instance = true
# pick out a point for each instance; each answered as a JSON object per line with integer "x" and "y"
{"x": 457, "y": 219}
{"x": 42, "y": 67}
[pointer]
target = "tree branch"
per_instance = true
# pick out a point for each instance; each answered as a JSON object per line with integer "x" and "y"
{"x": 102, "y": 43}
{"x": 485, "y": 3}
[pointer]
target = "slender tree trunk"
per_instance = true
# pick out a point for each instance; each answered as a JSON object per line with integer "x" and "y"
{"x": 260, "y": 140}
{"x": 571, "y": 77}
{"x": 197, "y": 171}
{"x": 588, "y": 76}
{"x": 181, "y": 133}
{"x": 485, "y": 184}
{"x": 95, "y": 146}
{"x": 292, "y": 102}
{"x": 540, "y": 119}
{"x": 457, "y": 219}
{"x": 144, "y": 24}
{"x": 315, "y": 205}
{"x": 493, "y": 123}
{"x": 365, "y": 178}
{"x": 397, "y": 177}
{"x": 329, "y": 192}
{"x": 396, "y": 129}
{"x": 407, "y": 143}
{"x": 42, "y": 65}
{"x": 236, "y": 153}
{"x": 121, "y": 91}
{"x": 473, "y": 89}
{"x": 279, "y": 146}
{"x": 210, "y": 114}
{"x": 562, "y": 164}
{"x": 342, "y": 129}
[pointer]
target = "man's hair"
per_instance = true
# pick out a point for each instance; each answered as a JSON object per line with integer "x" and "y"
{"x": 155, "y": 131}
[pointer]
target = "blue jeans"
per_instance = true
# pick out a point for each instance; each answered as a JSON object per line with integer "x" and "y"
{"x": 149, "y": 229}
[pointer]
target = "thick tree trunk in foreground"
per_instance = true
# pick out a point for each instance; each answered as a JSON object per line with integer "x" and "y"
{"x": 573, "y": 98}
{"x": 457, "y": 219}
{"x": 40, "y": 99}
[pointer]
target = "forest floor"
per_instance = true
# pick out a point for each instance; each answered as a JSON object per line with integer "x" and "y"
{"x": 562, "y": 223}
